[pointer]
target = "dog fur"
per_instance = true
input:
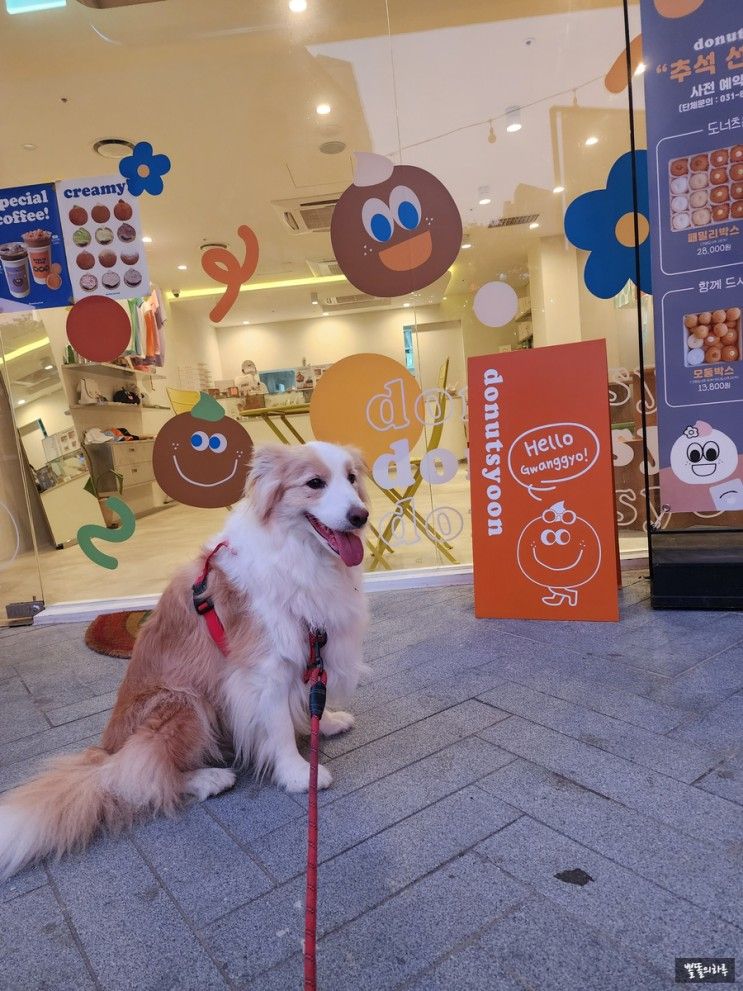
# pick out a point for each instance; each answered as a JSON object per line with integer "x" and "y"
{"x": 182, "y": 701}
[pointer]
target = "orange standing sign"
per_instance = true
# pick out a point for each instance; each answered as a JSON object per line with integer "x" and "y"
{"x": 543, "y": 523}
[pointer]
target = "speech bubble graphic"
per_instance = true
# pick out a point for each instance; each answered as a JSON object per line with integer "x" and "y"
{"x": 86, "y": 533}
{"x": 542, "y": 458}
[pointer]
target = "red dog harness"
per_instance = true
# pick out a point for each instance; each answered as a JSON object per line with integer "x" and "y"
{"x": 204, "y": 604}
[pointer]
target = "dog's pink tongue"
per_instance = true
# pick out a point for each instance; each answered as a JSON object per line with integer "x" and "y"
{"x": 350, "y": 548}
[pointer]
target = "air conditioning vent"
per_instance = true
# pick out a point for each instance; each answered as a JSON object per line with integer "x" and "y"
{"x": 307, "y": 216}
{"x": 514, "y": 221}
{"x": 359, "y": 297}
{"x": 355, "y": 301}
{"x": 328, "y": 267}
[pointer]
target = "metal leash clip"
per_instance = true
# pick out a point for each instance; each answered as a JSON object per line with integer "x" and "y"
{"x": 316, "y": 674}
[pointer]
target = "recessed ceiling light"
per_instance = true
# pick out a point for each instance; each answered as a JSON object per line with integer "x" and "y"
{"x": 48, "y": 368}
{"x": 332, "y": 147}
{"x": 641, "y": 67}
{"x": 406, "y": 304}
{"x": 21, "y": 402}
{"x": 322, "y": 109}
{"x": 485, "y": 201}
{"x": 182, "y": 268}
{"x": 297, "y": 6}
{"x": 324, "y": 313}
{"x": 593, "y": 140}
{"x": 146, "y": 240}
{"x": 533, "y": 226}
{"x": 113, "y": 147}
{"x": 28, "y": 146}
{"x": 245, "y": 323}
{"x": 559, "y": 189}
{"x": 466, "y": 246}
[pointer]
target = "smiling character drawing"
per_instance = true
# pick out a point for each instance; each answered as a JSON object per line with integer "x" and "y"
{"x": 703, "y": 455}
{"x": 201, "y": 458}
{"x": 396, "y": 229}
{"x": 560, "y": 551}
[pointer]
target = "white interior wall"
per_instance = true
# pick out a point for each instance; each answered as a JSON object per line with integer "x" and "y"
{"x": 190, "y": 340}
{"x": 553, "y": 277}
{"x": 321, "y": 340}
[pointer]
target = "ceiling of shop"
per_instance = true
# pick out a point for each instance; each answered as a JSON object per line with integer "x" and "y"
{"x": 229, "y": 91}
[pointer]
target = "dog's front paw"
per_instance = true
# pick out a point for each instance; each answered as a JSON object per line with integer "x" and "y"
{"x": 335, "y": 722}
{"x": 297, "y": 778}
{"x": 208, "y": 781}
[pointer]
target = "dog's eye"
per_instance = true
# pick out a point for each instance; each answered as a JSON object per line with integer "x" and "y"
{"x": 316, "y": 483}
{"x": 351, "y": 477}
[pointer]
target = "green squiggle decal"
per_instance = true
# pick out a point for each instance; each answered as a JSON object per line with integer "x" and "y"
{"x": 86, "y": 533}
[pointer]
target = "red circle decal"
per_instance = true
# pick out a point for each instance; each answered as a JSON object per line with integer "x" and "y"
{"x": 98, "y": 328}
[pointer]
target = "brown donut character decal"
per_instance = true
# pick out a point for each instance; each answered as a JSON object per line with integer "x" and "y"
{"x": 396, "y": 229}
{"x": 677, "y": 8}
{"x": 201, "y": 458}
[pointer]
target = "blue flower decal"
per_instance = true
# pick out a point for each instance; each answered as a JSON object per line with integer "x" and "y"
{"x": 602, "y": 222}
{"x": 143, "y": 170}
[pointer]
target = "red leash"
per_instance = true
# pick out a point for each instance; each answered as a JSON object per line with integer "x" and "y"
{"x": 317, "y": 678}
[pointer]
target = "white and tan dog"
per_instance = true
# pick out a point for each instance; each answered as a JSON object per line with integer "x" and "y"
{"x": 291, "y": 565}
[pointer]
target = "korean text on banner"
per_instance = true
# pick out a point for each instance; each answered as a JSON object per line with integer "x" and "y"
{"x": 543, "y": 523}
{"x": 693, "y": 89}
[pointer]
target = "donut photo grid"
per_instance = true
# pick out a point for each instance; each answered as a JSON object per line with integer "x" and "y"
{"x": 103, "y": 238}
{"x": 706, "y": 188}
{"x": 712, "y": 337}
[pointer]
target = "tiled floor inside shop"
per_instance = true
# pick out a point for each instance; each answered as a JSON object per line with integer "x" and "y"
{"x": 493, "y": 765}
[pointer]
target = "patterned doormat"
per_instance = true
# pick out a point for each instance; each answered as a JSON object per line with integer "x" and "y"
{"x": 114, "y": 633}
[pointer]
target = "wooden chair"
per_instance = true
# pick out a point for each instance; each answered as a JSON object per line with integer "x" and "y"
{"x": 404, "y": 499}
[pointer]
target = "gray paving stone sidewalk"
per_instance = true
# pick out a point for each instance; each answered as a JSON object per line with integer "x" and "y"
{"x": 487, "y": 759}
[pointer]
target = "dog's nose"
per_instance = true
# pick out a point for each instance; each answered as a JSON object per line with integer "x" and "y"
{"x": 357, "y": 517}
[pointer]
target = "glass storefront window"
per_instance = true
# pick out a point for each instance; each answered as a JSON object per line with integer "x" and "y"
{"x": 517, "y": 108}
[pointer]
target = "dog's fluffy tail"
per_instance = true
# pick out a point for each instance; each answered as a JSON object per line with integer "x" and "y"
{"x": 61, "y": 809}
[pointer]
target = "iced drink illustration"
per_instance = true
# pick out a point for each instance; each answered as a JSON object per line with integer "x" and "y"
{"x": 39, "y": 247}
{"x": 14, "y": 258}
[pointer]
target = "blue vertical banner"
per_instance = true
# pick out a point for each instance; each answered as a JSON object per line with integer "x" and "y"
{"x": 694, "y": 106}
{"x": 33, "y": 265}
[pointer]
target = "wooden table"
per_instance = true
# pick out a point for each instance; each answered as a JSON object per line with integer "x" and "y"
{"x": 271, "y": 414}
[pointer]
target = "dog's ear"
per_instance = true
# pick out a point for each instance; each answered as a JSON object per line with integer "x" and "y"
{"x": 361, "y": 470}
{"x": 265, "y": 486}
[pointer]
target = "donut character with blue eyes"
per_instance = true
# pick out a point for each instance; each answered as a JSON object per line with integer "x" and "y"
{"x": 202, "y": 458}
{"x": 396, "y": 229}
